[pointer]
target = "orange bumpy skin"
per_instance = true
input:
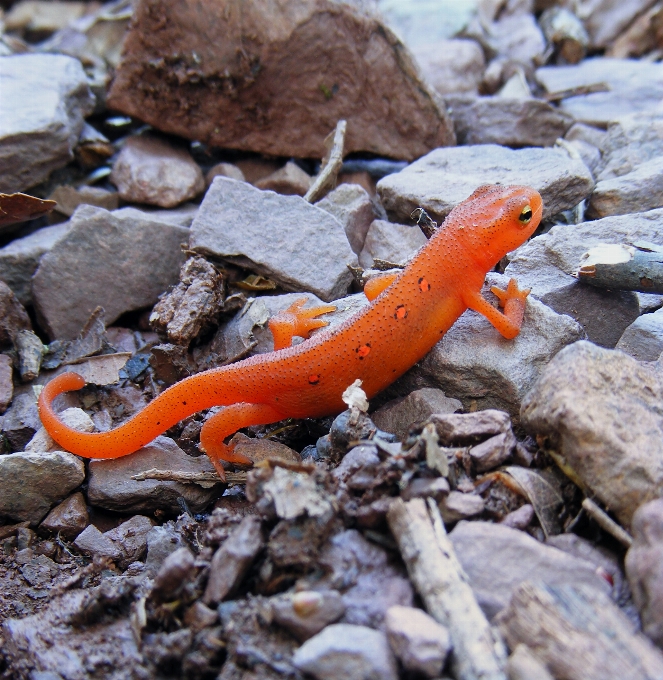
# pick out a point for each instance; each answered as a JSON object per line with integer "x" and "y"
{"x": 408, "y": 314}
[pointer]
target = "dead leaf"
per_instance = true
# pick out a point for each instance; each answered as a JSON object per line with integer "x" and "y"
{"x": 103, "y": 369}
{"x": 19, "y": 207}
{"x": 544, "y": 495}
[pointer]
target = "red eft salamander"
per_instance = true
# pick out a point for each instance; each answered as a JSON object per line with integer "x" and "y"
{"x": 409, "y": 312}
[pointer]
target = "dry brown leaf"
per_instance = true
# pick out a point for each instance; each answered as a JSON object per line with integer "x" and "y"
{"x": 19, "y": 207}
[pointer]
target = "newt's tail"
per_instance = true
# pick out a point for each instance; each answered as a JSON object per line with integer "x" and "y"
{"x": 158, "y": 416}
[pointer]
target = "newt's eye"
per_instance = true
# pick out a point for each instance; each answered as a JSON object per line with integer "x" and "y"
{"x": 525, "y": 215}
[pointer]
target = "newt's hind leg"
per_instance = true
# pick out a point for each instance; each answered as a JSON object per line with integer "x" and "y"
{"x": 296, "y": 321}
{"x": 227, "y": 422}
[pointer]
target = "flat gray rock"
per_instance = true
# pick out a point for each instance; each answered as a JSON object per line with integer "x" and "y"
{"x": 546, "y": 265}
{"x": 634, "y": 86}
{"x": 497, "y": 559}
{"x": 119, "y": 264}
{"x": 443, "y": 178}
{"x": 346, "y": 651}
{"x": 475, "y": 364}
{"x": 607, "y": 427}
{"x": 32, "y": 483}
{"x": 111, "y": 487}
{"x": 284, "y": 238}
{"x": 506, "y": 121}
{"x": 643, "y": 339}
{"x": 392, "y": 242}
{"x": 20, "y": 258}
{"x": 636, "y": 191}
{"x": 45, "y": 98}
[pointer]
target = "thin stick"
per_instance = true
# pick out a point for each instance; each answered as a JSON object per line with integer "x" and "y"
{"x": 444, "y": 588}
{"x": 607, "y": 523}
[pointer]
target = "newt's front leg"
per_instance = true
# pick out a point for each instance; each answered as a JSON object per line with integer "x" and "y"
{"x": 296, "y": 321}
{"x": 512, "y": 299}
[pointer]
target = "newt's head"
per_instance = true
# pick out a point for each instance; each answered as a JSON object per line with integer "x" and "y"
{"x": 496, "y": 219}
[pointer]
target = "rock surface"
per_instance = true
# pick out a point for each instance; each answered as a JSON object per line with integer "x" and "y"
{"x": 346, "y": 651}
{"x": 6, "y": 382}
{"x": 633, "y": 86}
{"x": 395, "y": 243}
{"x": 498, "y": 559}
{"x": 149, "y": 170}
{"x": 31, "y": 483}
{"x": 420, "y": 643}
{"x": 590, "y": 424}
{"x": 68, "y": 518}
{"x": 110, "y": 485}
{"x": 507, "y": 121}
{"x": 277, "y": 226}
{"x": 45, "y": 98}
{"x": 434, "y": 183}
{"x": 475, "y": 364}
{"x": 644, "y": 568}
{"x": 643, "y": 339}
{"x": 547, "y": 263}
{"x": 119, "y": 264}
{"x": 351, "y": 205}
{"x": 284, "y": 78}
{"x": 13, "y": 317}
{"x": 20, "y": 258}
{"x": 397, "y": 416}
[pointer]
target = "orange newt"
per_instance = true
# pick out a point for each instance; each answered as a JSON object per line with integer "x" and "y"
{"x": 408, "y": 314}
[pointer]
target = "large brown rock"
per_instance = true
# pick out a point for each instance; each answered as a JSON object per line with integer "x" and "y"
{"x": 276, "y": 78}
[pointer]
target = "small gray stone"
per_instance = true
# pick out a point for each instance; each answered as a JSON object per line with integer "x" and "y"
{"x": 475, "y": 364}
{"x": 31, "y": 483}
{"x": 307, "y": 612}
{"x": 346, "y": 651}
{"x": 260, "y": 230}
{"x": 398, "y": 415}
{"x": 644, "y": 567}
{"x": 606, "y": 427}
{"x": 92, "y": 542}
{"x": 111, "y": 487}
{"x": 434, "y": 487}
{"x": 6, "y": 382}
{"x": 20, "y": 258}
{"x": 363, "y": 573}
{"x": 457, "y": 506}
{"x": 451, "y": 66}
{"x": 131, "y": 539}
{"x": 21, "y": 420}
{"x": 520, "y": 518}
{"x": 45, "y": 98}
{"x": 118, "y": 264}
{"x": 636, "y": 191}
{"x": 224, "y": 170}
{"x": 13, "y": 317}
{"x": 434, "y": 183}
{"x": 233, "y": 559}
{"x": 418, "y": 640}
{"x": 68, "y": 518}
{"x": 395, "y": 243}
{"x": 507, "y": 121}
{"x": 351, "y": 205}
{"x": 498, "y": 559}
{"x": 173, "y": 574}
{"x": 643, "y": 339}
{"x": 149, "y": 170}
{"x": 290, "y": 180}
{"x": 356, "y": 458}
{"x": 161, "y": 542}
{"x": 634, "y": 86}
{"x": 493, "y": 452}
